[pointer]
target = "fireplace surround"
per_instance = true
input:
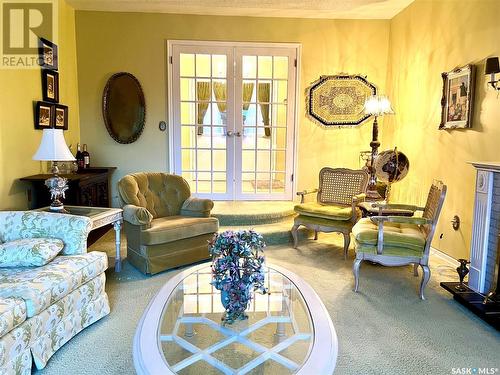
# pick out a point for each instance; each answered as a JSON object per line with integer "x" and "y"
{"x": 482, "y": 294}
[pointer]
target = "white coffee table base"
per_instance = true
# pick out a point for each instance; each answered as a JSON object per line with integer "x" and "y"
{"x": 148, "y": 358}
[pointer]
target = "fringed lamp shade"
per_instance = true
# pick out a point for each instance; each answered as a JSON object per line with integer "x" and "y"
{"x": 378, "y": 105}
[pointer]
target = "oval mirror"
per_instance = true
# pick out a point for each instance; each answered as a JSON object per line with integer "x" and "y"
{"x": 124, "y": 107}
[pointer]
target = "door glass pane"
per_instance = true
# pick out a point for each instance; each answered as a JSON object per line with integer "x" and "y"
{"x": 219, "y": 64}
{"x": 263, "y": 159}
{"x": 280, "y": 67}
{"x": 265, "y": 67}
{"x": 186, "y": 64}
{"x": 249, "y": 138}
{"x": 248, "y": 91}
{"x": 204, "y": 182}
{"x": 218, "y": 137}
{"x": 219, "y": 160}
{"x": 250, "y": 115}
{"x": 188, "y": 160}
{"x": 188, "y": 136}
{"x": 202, "y": 65}
{"x": 278, "y": 183}
{"x": 248, "y": 160}
{"x": 280, "y": 92}
{"x": 248, "y": 182}
{"x": 188, "y": 89}
{"x": 219, "y": 113}
{"x": 263, "y": 141}
{"x": 278, "y": 137}
{"x": 249, "y": 67}
{"x": 204, "y": 140}
{"x": 263, "y": 183}
{"x": 188, "y": 113}
{"x": 278, "y": 160}
{"x": 219, "y": 182}
{"x": 279, "y": 115}
{"x": 204, "y": 160}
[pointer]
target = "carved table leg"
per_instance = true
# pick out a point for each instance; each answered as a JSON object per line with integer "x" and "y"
{"x": 118, "y": 260}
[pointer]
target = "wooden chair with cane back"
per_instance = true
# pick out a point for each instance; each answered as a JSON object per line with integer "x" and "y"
{"x": 398, "y": 240}
{"x": 335, "y": 209}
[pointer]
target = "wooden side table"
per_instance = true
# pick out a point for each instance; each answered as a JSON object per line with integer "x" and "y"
{"x": 100, "y": 217}
{"x": 87, "y": 187}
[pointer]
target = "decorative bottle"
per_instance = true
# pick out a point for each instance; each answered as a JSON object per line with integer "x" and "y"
{"x": 79, "y": 157}
{"x": 86, "y": 157}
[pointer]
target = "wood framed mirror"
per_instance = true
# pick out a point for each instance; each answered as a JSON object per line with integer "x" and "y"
{"x": 124, "y": 107}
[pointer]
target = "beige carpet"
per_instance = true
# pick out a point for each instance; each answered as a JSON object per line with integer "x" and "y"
{"x": 383, "y": 329}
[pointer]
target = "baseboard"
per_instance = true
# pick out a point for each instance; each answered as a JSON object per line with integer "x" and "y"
{"x": 448, "y": 259}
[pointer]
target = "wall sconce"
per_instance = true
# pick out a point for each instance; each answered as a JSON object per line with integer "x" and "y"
{"x": 492, "y": 67}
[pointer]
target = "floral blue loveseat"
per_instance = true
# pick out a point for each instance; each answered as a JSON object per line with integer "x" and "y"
{"x": 41, "y": 308}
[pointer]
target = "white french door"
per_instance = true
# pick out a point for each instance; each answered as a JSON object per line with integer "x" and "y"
{"x": 233, "y": 118}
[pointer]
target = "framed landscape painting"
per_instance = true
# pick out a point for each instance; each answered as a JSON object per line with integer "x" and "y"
{"x": 458, "y": 98}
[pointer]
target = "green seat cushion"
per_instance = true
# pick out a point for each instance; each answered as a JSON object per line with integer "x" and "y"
{"x": 331, "y": 212}
{"x": 175, "y": 228}
{"x": 407, "y": 236}
{"x": 389, "y": 250}
{"x": 340, "y": 224}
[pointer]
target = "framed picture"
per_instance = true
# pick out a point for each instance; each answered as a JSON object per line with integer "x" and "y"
{"x": 61, "y": 116}
{"x": 47, "y": 54}
{"x": 458, "y": 98}
{"x": 44, "y": 115}
{"x": 50, "y": 85}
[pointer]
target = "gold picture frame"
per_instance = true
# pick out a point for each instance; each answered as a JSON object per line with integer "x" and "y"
{"x": 457, "y": 102}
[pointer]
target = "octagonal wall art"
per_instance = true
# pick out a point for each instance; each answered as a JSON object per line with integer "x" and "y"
{"x": 338, "y": 100}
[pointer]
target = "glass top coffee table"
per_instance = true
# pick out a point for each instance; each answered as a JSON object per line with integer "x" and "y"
{"x": 288, "y": 330}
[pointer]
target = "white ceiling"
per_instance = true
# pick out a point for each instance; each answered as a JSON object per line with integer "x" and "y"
{"x": 347, "y": 9}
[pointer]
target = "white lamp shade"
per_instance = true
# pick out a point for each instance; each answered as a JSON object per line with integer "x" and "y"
{"x": 378, "y": 105}
{"x": 53, "y": 147}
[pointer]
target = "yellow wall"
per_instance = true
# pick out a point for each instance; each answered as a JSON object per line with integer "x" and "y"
{"x": 428, "y": 38}
{"x": 18, "y": 138}
{"x": 111, "y": 42}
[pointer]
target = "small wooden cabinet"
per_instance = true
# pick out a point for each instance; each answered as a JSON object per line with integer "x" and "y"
{"x": 89, "y": 187}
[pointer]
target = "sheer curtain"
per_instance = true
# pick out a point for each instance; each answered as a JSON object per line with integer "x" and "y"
{"x": 264, "y": 96}
{"x": 203, "y": 98}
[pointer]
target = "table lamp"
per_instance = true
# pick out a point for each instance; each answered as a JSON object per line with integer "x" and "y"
{"x": 375, "y": 105}
{"x": 53, "y": 148}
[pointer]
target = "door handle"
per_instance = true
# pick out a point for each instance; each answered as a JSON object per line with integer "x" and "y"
{"x": 238, "y": 134}
{"x": 229, "y": 133}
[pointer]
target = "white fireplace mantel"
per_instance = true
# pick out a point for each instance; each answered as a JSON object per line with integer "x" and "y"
{"x": 491, "y": 166}
{"x": 485, "y": 226}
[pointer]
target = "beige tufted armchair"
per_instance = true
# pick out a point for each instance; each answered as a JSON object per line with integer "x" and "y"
{"x": 164, "y": 225}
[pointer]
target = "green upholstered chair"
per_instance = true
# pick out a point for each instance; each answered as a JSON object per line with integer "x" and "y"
{"x": 164, "y": 225}
{"x": 397, "y": 240}
{"x": 335, "y": 209}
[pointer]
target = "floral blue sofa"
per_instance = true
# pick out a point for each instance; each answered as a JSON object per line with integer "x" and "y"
{"x": 42, "y": 307}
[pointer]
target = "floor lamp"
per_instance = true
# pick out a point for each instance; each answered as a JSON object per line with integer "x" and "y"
{"x": 375, "y": 105}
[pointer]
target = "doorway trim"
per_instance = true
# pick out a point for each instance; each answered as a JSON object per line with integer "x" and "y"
{"x": 169, "y": 104}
